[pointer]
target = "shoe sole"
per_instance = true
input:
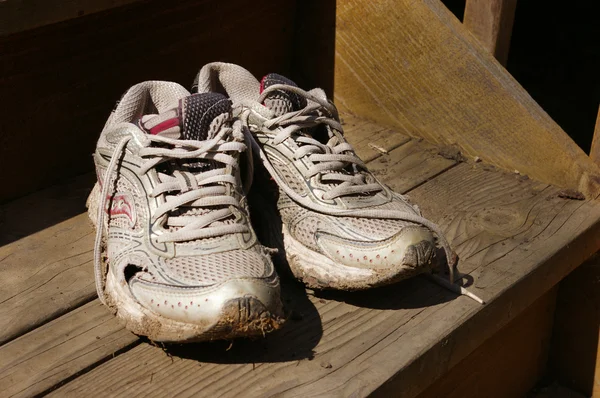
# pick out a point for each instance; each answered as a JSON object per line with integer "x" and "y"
{"x": 317, "y": 271}
{"x": 245, "y": 316}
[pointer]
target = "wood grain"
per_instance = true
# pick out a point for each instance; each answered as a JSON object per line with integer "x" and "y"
{"x": 413, "y": 65}
{"x": 60, "y": 349}
{"x": 20, "y": 15}
{"x": 491, "y": 21}
{"x": 45, "y": 275}
{"x": 516, "y": 239}
{"x": 371, "y": 140}
{"x": 410, "y": 165}
{"x": 63, "y": 79}
{"x": 45, "y": 256}
{"x": 509, "y": 364}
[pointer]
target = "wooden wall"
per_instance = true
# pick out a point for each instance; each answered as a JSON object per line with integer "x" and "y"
{"x": 58, "y": 83}
{"x": 410, "y": 65}
{"x": 20, "y": 15}
{"x": 575, "y": 354}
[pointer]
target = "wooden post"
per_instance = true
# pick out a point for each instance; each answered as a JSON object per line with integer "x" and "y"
{"x": 595, "y": 150}
{"x": 491, "y": 21}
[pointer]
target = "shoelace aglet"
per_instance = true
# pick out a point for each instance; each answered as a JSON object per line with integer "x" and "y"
{"x": 454, "y": 287}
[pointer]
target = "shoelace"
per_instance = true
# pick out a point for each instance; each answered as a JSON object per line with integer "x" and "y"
{"x": 193, "y": 188}
{"x": 331, "y": 162}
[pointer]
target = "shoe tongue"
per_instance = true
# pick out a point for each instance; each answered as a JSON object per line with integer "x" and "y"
{"x": 281, "y": 101}
{"x": 197, "y": 117}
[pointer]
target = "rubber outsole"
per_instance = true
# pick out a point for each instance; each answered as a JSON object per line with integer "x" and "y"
{"x": 319, "y": 272}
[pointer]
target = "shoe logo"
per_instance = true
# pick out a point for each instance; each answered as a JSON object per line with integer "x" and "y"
{"x": 122, "y": 206}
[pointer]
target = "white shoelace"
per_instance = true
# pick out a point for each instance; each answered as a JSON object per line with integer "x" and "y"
{"x": 331, "y": 160}
{"x": 331, "y": 163}
{"x": 202, "y": 190}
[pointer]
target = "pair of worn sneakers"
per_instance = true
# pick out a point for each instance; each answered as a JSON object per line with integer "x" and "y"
{"x": 176, "y": 255}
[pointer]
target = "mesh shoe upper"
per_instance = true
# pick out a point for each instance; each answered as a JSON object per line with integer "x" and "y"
{"x": 328, "y": 199}
{"x": 176, "y": 206}
{"x": 304, "y": 224}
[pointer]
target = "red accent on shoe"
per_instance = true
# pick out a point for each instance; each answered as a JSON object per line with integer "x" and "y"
{"x": 167, "y": 124}
{"x": 262, "y": 84}
{"x": 121, "y": 205}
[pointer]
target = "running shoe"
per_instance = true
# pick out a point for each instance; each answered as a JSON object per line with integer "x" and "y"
{"x": 176, "y": 258}
{"x": 342, "y": 228}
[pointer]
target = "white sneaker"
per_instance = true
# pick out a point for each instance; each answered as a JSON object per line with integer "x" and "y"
{"x": 176, "y": 258}
{"x": 342, "y": 228}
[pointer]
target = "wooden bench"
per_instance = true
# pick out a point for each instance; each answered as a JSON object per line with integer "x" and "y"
{"x": 433, "y": 114}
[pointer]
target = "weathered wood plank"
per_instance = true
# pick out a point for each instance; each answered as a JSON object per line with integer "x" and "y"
{"x": 37, "y": 361}
{"x": 294, "y": 343}
{"x": 515, "y": 237}
{"x": 426, "y": 74}
{"x": 371, "y": 140}
{"x": 45, "y": 260}
{"x": 515, "y": 243}
{"x": 20, "y": 15}
{"x": 45, "y": 275}
{"x": 508, "y": 364}
{"x": 262, "y": 368}
{"x": 491, "y": 21}
{"x": 410, "y": 165}
{"x": 63, "y": 79}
